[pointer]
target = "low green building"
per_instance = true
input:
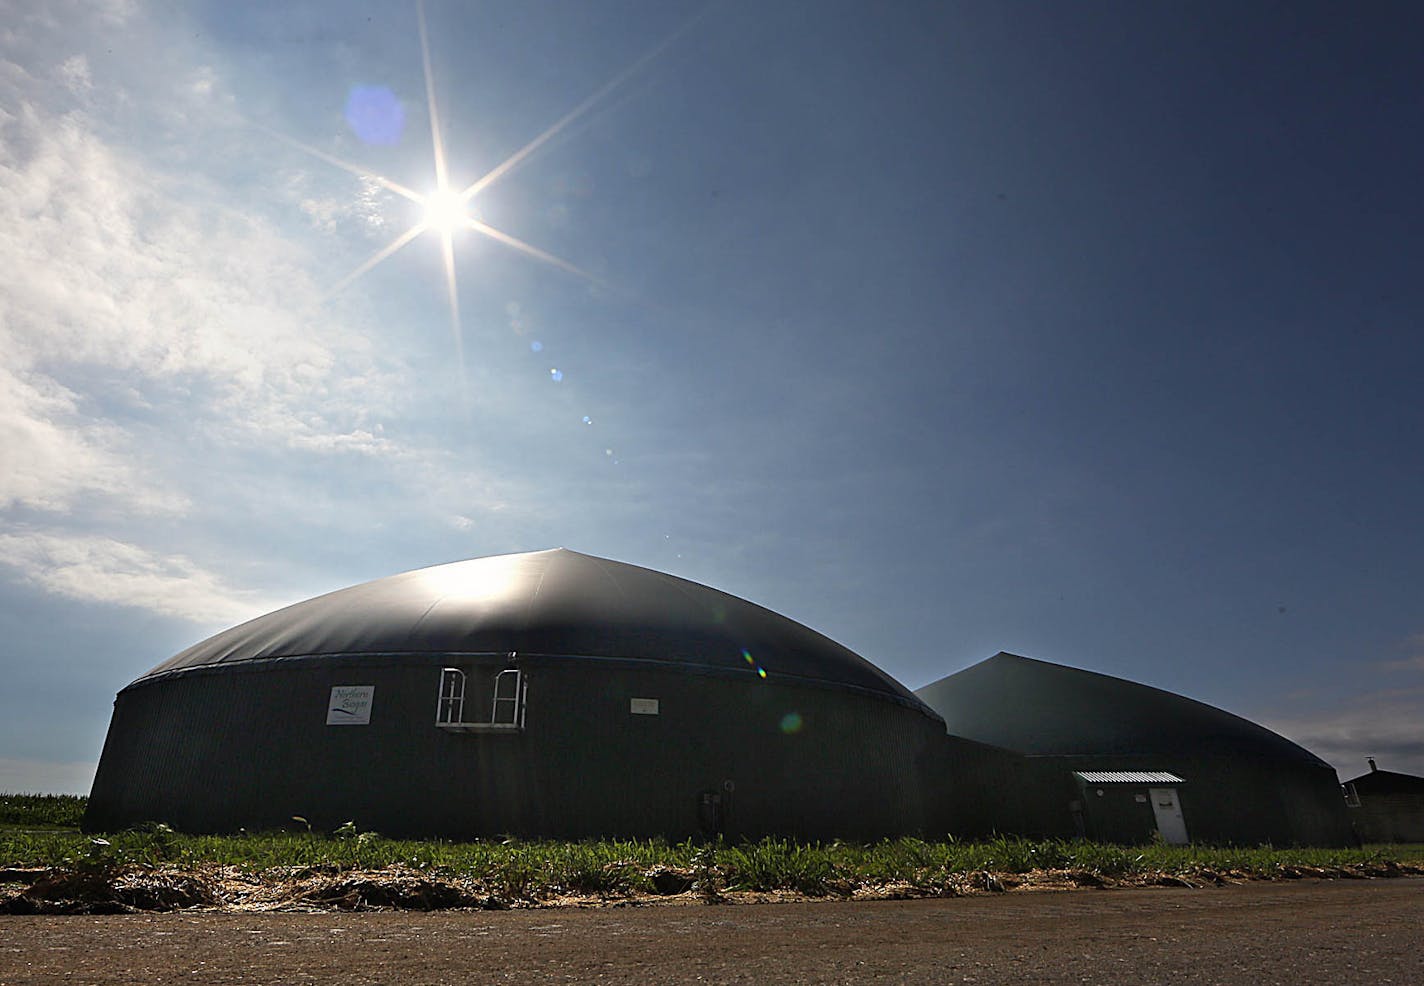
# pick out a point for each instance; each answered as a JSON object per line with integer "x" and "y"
{"x": 1386, "y": 806}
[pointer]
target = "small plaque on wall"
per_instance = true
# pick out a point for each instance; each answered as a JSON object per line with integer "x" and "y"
{"x": 643, "y": 706}
{"x": 350, "y": 705}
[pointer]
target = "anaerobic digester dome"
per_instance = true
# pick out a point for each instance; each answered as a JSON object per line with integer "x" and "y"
{"x": 1241, "y": 783}
{"x": 547, "y": 693}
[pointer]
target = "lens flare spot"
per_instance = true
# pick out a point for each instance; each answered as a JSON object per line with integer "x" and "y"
{"x": 375, "y": 115}
{"x": 587, "y": 420}
{"x": 556, "y": 374}
{"x": 761, "y": 672}
{"x": 748, "y": 656}
{"x": 536, "y": 346}
{"x": 791, "y": 723}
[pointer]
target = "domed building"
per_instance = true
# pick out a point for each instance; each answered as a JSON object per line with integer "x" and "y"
{"x": 541, "y": 694}
{"x": 1118, "y": 761}
{"x": 561, "y": 695}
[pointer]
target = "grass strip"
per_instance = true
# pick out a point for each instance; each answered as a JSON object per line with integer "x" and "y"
{"x": 516, "y": 869}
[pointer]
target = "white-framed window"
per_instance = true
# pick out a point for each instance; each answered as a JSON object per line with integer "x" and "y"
{"x": 450, "y": 707}
{"x": 510, "y": 689}
{"x": 507, "y": 706}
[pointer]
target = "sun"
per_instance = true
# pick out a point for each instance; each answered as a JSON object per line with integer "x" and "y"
{"x": 445, "y": 211}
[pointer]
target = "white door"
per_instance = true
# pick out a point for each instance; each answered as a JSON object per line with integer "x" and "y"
{"x": 1168, "y": 812}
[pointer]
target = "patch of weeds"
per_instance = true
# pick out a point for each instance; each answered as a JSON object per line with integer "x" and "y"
{"x": 706, "y": 877}
{"x": 779, "y": 864}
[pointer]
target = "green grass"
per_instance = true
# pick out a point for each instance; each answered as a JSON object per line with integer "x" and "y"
{"x": 38, "y": 831}
{"x": 525, "y": 870}
{"x": 42, "y": 810}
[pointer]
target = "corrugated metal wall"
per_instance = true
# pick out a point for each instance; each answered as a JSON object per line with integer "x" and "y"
{"x": 222, "y": 748}
{"x": 1394, "y": 816}
{"x": 975, "y": 790}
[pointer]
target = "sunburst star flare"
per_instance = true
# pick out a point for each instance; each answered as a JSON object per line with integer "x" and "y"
{"x": 445, "y": 211}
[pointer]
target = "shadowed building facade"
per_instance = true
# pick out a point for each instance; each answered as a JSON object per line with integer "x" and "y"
{"x": 1118, "y": 761}
{"x": 1386, "y": 806}
{"x": 554, "y": 694}
{"x": 542, "y": 694}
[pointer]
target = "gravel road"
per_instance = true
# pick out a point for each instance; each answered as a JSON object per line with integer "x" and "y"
{"x": 1288, "y": 932}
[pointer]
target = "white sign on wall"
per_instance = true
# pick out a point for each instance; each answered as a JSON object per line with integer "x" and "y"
{"x": 643, "y": 706}
{"x": 350, "y": 705}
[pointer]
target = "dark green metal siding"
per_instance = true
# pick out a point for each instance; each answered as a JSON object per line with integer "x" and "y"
{"x": 1391, "y": 807}
{"x": 215, "y": 749}
{"x": 1244, "y": 784}
{"x": 974, "y": 790}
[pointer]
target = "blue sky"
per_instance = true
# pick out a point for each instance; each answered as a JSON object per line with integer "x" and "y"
{"x": 1088, "y": 332}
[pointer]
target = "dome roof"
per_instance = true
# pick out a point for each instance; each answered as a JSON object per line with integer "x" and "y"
{"x": 1040, "y": 708}
{"x": 546, "y": 603}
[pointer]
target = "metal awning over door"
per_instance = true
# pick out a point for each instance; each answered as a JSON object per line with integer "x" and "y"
{"x": 1127, "y": 777}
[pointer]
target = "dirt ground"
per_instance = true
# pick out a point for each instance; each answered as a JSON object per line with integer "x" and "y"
{"x": 1305, "y": 931}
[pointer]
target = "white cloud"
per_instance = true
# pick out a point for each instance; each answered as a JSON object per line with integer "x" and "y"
{"x": 354, "y": 441}
{"x": 73, "y": 74}
{"x": 102, "y": 569}
{"x": 1385, "y": 724}
{"x": 119, "y": 293}
{"x": 1413, "y": 647}
{"x": 1344, "y": 728}
{"x": 113, "y": 13}
{"x": 118, "y": 274}
{"x": 23, "y": 21}
{"x": 202, "y": 81}
{"x": 53, "y": 455}
{"x": 363, "y": 213}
